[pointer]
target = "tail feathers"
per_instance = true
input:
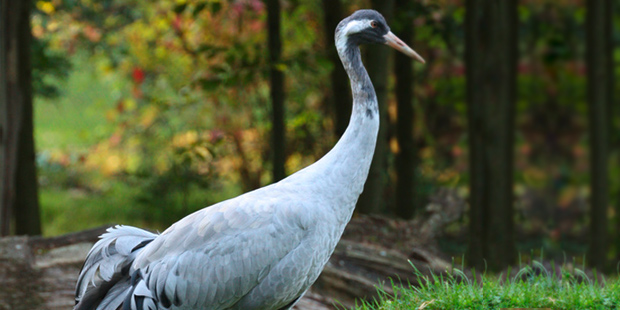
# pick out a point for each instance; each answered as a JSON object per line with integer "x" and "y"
{"x": 105, "y": 296}
{"x": 105, "y": 279}
{"x": 115, "y": 296}
{"x": 140, "y": 297}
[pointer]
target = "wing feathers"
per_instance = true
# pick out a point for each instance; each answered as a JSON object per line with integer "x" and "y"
{"x": 115, "y": 296}
{"x": 211, "y": 259}
{"x": 107, "y": 265}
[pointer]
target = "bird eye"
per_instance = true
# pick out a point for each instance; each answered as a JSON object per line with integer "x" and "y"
{"x": 374, "y": 24}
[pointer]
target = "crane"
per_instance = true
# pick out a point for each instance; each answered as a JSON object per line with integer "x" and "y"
{"x": 262, "y": 249}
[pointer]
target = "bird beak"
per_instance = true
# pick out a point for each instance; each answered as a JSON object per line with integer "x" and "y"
{"x": 392, "y": 40}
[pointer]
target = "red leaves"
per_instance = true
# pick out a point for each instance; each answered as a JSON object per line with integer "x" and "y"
{"x": 138, "y": 75}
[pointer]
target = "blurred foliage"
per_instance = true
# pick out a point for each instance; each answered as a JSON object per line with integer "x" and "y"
{"x": 48, "y": 66}
{"x": 191, "y": 111}
{"x": 180, "y": 115}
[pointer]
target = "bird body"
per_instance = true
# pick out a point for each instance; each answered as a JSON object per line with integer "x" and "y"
{"x": 260, "y": 250}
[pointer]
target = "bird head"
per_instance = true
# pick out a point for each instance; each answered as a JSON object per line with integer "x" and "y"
{"x": 369, "y": 27}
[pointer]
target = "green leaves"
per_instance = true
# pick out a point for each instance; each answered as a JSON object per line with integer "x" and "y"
{"x": 179, "y": 8}
{"x": 48, "y": 68}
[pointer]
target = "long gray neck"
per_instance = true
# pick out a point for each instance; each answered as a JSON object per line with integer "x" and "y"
{"x": 364, "y": 96}
{"x": 338, "y": 178}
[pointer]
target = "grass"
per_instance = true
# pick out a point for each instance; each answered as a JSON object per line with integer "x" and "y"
{"x": 117, "y": 202}
{"x": 65, "y": 210}
{"x": 571, "y": 290}
{"x": 77, "y": 118}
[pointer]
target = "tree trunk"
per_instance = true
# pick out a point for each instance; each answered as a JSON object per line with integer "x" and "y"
{"x": 18, "y": 181}
{"x": 614, "y": 113}
{"x": 406, "y": 158}
{"x": 340, "y": 93}
{"x": 6, "y": 158}
{"x": 372, "y": 199}
{"x": 599, "y": 58}
{"x": 277, "y": 90}
{"x": 491, "y": 58}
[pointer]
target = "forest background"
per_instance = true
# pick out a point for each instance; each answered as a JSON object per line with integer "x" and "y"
{"x": 145, "y": 111}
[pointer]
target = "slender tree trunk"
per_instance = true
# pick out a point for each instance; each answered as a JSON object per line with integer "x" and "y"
{"x": 491, "y": 58}
{"x": 406, "y": 159}
{"x": 18, "y": 181}
{"x": 614, "y": 113}
{"x": 277, "y": 90}
{"x": 6, "y": 158}
{"x": 372, "y": 199}
{"x": 340, "y": 92}
{"x": 599, "y": 57}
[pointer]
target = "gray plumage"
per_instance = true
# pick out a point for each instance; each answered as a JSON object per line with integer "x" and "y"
{"x": 261, "y": 250}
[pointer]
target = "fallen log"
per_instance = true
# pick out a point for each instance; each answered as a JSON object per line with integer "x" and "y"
{"x": 89, "y": 235}
{"x": 356, "y": 269}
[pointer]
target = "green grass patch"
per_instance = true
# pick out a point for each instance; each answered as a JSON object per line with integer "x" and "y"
{"x": 570, "y": 290}
{"x": 66, "y": 210}
{"x": 77, "y": 119}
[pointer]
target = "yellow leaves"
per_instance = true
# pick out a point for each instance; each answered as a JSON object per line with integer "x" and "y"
{"x": 394, "y": 146}
{"x": 105, "y": 67}
{"x": 148, "y": 116}
{"x": 161, "y": 165}
{"x": 38, "y": 31}
{"x": 427, "y": 153}
{"x": 114, "y": 39}
{"x": 293, "y": 162}
{"x": 281, "y": 67}
{"x": 111, "y": 20}
{"x": 130, "y": 104}
{"x": 534, "y": 176}
{"x": 111, "y": 165}
{"x": 449, "y": 176}
{"x": 161, "y": 52}
{"x": 106, "y": 159}
{"x": 297, "y": 161}
{"x": 567, "y": 196}
{"x": 162, "y": 24}
{"x": 115, "y": 155}
{"x": 251, "y": 135}
{"x": 111, "y": 115}
{"x": 392, "y": 109}
{"x": 46, "y": 7}
{"x": 52, "y": 26}
{"x": 132, "y": 163}
{"x": 429, "y": 169}
{"x": 139, "y": 35}
{"x": 36, "y": 22}
{"x": 185, "y": 140}
{"x": 203, "y": 152}
{"x": 190, "y": 147}
{"x": 59, "y": 157}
